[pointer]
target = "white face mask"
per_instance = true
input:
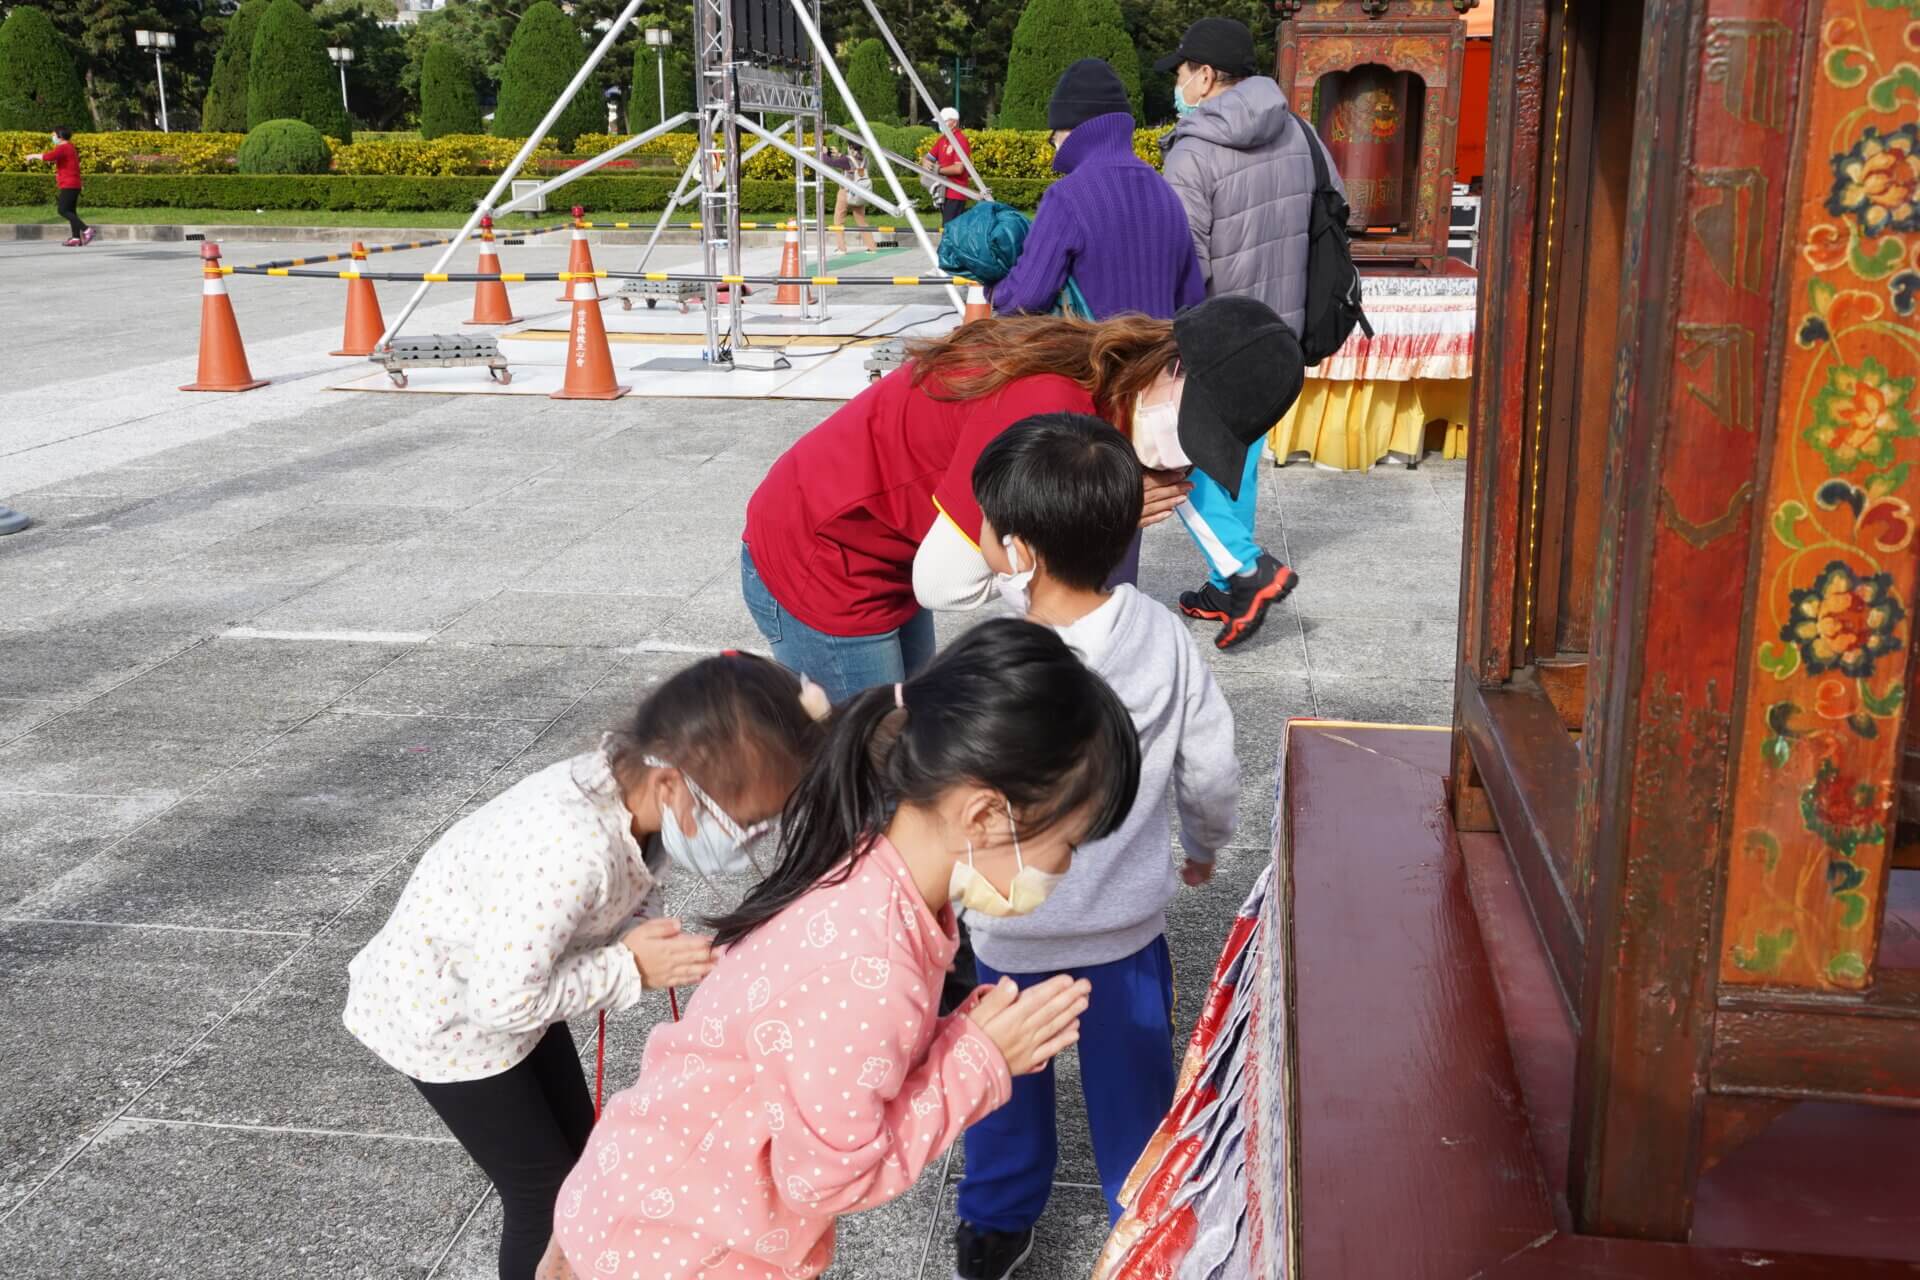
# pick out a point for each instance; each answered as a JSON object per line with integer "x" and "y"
{"x": 1156, "y": 436}
{"x": 718, "y": 845}
{"x": 1015, "y": 587}
{"x": 1029, "y": 887}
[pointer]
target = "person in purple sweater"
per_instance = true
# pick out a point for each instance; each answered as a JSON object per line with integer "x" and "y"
{"x": 1111, "y": 222}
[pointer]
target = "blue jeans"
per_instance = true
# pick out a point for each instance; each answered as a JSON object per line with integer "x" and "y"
{"x": 842, "y": 665}
{"x": 1220, "y": 526}
{"x": 1126, "y": 1075}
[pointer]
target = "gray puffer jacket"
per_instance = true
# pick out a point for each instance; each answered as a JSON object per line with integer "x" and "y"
{"x": 1242, "y": 169}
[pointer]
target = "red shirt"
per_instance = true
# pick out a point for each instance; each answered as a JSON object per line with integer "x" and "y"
{"x": 66, "y": 166}
{"x": 834, "y": 526}
{"x": 944, "y": 155}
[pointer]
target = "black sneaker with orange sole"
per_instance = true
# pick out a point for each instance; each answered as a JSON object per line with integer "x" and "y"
{"x": 1248, "y": 598}
{"x": 1209, "y": 603}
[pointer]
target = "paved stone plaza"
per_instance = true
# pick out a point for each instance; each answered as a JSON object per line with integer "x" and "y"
{"x": 260, "y": 649}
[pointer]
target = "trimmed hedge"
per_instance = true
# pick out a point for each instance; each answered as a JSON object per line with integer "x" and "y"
{"x": 133, "y": 151}
{"x": 331, "y": 191}
{"x": 1001, "y": 154}
{"x": 226, "y": 105}
{"x": 283, "y": 146}
{"x": 542, "y": 57}
{"x": 448, "y": 104}
{"x": 39, "y": 87}
{"x": 289, "y": 76}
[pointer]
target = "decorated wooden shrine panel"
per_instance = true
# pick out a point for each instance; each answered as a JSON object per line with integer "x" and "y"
{"x": 1823, "y": 719}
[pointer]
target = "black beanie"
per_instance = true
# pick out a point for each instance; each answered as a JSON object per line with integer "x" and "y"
{"x": 1087, "y": 89}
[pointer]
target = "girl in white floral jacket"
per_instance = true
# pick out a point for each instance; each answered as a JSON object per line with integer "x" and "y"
{"x": 523, "y": 916}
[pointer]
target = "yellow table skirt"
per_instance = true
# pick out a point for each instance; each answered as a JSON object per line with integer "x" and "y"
{"x": 1353, "y": 425}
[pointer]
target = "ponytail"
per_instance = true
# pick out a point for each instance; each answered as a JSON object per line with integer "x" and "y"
{"x": 1006, "y": 706}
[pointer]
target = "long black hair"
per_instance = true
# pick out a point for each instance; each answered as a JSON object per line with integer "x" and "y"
{"x": 1006, "y": 706}
{"x": 725, "y": 720}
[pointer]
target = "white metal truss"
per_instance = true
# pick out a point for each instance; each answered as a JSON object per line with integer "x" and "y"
{"x": 727, "y": 84}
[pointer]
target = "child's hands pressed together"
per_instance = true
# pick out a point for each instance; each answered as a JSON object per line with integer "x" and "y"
{"x": 1031, "y": 1026}
{"x": 1196, "y": 873}
{"x": 667, "y": 957}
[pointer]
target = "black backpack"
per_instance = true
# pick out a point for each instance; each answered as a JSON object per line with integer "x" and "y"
{"x": 1333, "y": 283}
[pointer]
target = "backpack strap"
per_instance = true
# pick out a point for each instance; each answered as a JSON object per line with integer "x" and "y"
{"x": 1322, "y": 180}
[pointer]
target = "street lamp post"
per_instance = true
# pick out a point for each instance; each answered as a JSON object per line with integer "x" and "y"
{"x": 160, "y": 42}
{"x": 342, "y": 58}
{"x": 660, "y": 38}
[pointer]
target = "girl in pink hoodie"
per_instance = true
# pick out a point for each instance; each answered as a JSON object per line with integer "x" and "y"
{"x": 811, "y": 1076}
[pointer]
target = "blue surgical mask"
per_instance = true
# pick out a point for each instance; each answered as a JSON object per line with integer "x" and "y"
{"x": 718, "y": 846}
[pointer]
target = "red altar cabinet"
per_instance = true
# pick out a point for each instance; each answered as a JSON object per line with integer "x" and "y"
{"x": 1381, "y": 80}
{"x": 1620, "y": 975}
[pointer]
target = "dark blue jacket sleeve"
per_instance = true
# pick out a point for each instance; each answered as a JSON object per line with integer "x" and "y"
{"x": 1046, "y": 259}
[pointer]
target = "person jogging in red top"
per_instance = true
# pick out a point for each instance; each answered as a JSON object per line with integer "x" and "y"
{"x": 946, "y": 161}
{"x": 66, "y": 178}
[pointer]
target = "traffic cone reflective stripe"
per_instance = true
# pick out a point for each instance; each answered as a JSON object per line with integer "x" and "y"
{"x": 579, "y": 258}
{"x": 223, "y": 357}
{"x": 490, "y": 302}
{"x": 364, "y": 325}
{"x": 789, "y": 294}
{"x": 977, "y": 308}
{"x": 589, "y": 359}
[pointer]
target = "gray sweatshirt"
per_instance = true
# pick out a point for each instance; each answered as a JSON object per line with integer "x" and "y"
{"x": 1114, "y": 899}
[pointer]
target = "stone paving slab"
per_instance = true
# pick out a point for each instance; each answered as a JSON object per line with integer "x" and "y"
{"x": 261, "y": 649}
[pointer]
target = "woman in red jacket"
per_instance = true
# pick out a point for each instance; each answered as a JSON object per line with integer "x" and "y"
{"x": 66, "y": 180}
{"x": 869, "y": 515}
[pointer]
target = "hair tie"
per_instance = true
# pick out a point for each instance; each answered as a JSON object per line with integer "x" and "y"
{"x": 899, "y": 696}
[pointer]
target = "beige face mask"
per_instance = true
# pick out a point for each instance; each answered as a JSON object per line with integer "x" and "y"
{"x": 1030, "y": 886}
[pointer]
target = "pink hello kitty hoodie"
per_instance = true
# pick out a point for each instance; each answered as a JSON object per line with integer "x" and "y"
{"x": 808, "y": 1078}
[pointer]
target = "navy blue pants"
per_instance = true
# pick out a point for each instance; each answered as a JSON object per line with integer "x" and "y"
{"x": 1126, "y": 1076}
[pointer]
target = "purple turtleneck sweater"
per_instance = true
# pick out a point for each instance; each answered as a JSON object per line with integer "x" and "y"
{"x": 1114, "y": 225}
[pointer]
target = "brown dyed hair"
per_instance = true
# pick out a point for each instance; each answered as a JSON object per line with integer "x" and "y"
{"x": 1114, "y": 360}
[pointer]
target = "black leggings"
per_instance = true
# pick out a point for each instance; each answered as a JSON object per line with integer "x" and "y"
{"x": 525, "y": 1128}
{"x": 67, "y": 201}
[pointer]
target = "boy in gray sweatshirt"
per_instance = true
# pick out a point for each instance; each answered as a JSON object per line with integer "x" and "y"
{"x": 1061, "y": 497}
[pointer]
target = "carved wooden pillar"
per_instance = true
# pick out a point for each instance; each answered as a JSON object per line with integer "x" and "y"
{"x": 1703, "y": 330}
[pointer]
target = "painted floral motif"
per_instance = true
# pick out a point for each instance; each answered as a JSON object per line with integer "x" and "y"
{"x": 1844, "y": 622}
{"x": 1825, "y": 724}
{"x": 1877, "y": 183}
{"x": 1859, "y": 414}
{"x": 1844, "y": 811}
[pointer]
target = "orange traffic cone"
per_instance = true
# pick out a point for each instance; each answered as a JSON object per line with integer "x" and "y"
{"x": 788, "y": 295}
{"x": 364, "y": 325}
{"x": 490, "y": 304}
{"x": 578, "y": 256}
{"x": 589, "y": 360}
{"x": 977, "y": 308}
{"x": 223, "y": 358}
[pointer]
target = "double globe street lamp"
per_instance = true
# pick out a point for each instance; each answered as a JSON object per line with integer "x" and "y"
{"x": 160, "y": 42}
{"x": 342, "y": 58}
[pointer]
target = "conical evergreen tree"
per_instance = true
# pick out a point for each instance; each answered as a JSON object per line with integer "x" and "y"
{"x": 1051, "y": 36}
{"x": 875, "y": 84}
{"x": 541, "y": 59}
{"x": 448, "y": 103}
{"x": 226, "y": 106}
{"x": 643, "y": 106}
{"x": 289, "y": 76}
{"x": 39, "y": 88}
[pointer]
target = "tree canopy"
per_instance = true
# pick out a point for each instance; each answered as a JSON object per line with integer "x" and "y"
{"x": 39, "y": 86}
{"x": 448, "y": 103}
{"x": 290, "y": 77}
{"x": 225, "y": 110}
{"x": 545, "y": 52}
{"x": 1053, "y": 34}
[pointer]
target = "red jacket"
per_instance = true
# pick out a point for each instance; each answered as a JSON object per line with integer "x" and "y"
{"x": 944, "y": 154}
{"x": 66, "y": 166}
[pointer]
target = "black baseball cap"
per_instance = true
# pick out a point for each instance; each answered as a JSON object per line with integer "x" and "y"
{"x": 1244, "y": 369}
{"x": 1220, "y": 43}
